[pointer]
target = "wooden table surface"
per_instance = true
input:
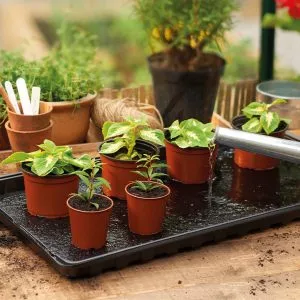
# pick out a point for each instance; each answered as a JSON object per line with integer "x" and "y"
{"x": 263, "y": 265}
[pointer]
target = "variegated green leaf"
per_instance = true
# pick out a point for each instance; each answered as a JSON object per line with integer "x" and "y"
{"x": 112, "y": 147}
{"x": 174, "y": 129}
{"x": 43, "y": 165}
{"x": 105, "y": 127}
{"x": 153, "y": 135}
{"x": 253, "y": 125}
{"x": 287, "y": 121}
{"x": 276, "y": 102}
{"x": 270, "y": 121}
{"x": 183, "y": 143}
{"x": 118, "y": 129}
{"x": 16, "y": 157}
{"x": 254, "y": 109}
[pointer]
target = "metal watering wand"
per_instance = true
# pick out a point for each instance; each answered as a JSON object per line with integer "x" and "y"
{"x": 266, "y": 145}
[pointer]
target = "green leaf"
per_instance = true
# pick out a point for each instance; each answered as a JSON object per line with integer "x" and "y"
{"x": 16, "y": 157}
{"x": 95, "y": 204}
{"x": 140, "y": 185}
{"x": 112, "y": 147}
{"x": 253, "y": 125}
{"x": 48, "y": 146}
{"x": 118, "y": 129}
{"x": 174, "y": 129}
{"x": 270, "y": 121}
{"x": 57, "y": 171}
{"x": 141, "y": 173}
{"x": 102, "y": 181}
{"x": 159, "y": 165}
{"x": 105, "y": 128}
{"x": 287, "y": 121}
{"x": 182, "y": 142}
{"x": 254, "y": 109}
{"x": 276, "y": 102}
{"x": 85, "y": 179}
{"x": 44, "y": 164}
{"x": 155, "y": 136}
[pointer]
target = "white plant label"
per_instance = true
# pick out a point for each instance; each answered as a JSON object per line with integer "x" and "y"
{"x": 35, "y": 100}
{"x": 12, "y": 97}
{"x": 24, "y": 96}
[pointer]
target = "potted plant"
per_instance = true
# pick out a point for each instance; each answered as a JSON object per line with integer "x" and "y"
{"x": 90, "y": 211}
{"x": 124, "y": 144}
{"x": 190, "y": 151}
{"x": 185, "y": 77}
{"x": 147, "y": 199}
{"x": 48, "y": 178}
{"x": 257, "y": 118}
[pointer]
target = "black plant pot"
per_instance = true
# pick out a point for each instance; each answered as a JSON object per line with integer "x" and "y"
{"x": 184, "y": 95}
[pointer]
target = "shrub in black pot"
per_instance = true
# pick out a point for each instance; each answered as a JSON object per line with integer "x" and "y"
{"x": 185, "y": 77}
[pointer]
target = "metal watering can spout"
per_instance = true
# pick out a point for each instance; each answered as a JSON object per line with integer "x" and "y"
{"x": 261, "y": 144}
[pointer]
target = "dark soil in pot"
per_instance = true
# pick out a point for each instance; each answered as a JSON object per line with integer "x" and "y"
{"x": 182, "y": 93}
{"x": 251, "y": 160}
{"x": 119, "y": 172}
{"x": 158, "y": 192}
{"x": 77, "y": 203}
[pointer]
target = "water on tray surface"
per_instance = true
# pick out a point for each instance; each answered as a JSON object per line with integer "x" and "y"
{"x": 236, "y": 193}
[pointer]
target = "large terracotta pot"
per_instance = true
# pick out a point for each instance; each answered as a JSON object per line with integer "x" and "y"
{"x": 146, "y": 215}
{"x": 71, "y": 120}
{"x": 47, "y": 196}
{"x": 4, "y": 143}
{"x": 120, "y": 172}
{"x": 190, "y": 165}
{"x": 251, "y": 160}
{"x": 27, "y": 141}
{"x": 89, "y": 228}
{"x": 22, "y": 122}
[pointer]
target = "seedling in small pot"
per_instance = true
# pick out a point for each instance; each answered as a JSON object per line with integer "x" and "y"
{"x": 92, "y": 182}
{"x": 148, "y": 166}
{"x": 261, "y": 119}
{"x": 48, "y": 177}
{"x": 90, "y": 211}
{"x": 190, "y": 151}
{"x": 146, "y": 200}
{"x": 125, "y": 135}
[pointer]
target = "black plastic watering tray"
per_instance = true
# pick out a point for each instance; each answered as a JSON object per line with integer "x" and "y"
{"x": 242, "y": 201}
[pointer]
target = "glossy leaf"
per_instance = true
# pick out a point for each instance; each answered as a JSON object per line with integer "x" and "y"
{"x": 270, "y": 121}
{"x": 16, "y": 157}
{"x": 174, "y": 129}
{"x": 112, "y": 147}
{"x": 44, "y": 165}
{"x": 117, "y": 129}
{"x": 254, "y": 109}
{"x": 253, "y": 125}
{"x": 155, "y": 136}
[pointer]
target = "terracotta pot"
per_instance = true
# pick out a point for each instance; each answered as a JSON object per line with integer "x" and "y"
{"x": 188, "y": 166}
{"x": 251, "y": 160}
{"x": 89, "y": 228}
{"x": 30, "y": 123}
{"x": 27, "y": 141}
{"x": 71, "y": 120}
{"x": 255, "y": 188}
{"x": 47, "y": 196}
{"x": 119, "y": 172}
{"x": 4, "y": 143}
{"x": 146, "y": 215}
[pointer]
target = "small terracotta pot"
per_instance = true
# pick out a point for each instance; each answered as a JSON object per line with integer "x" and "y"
{"x": 188, "y": 166}
{"x": 71, "y": 120}
{"x": 251, "y": 160}
{"x": 146, "y": 215}
{"x": 30, "y": 123}
{"x": 255, "y": 188}
{"x": 119, "y": 172}
{"x": 89, "y": 228}
{"x": 27, "y": 141}
{"x": 47, "y": 196}
{"x": 4, "y": 143}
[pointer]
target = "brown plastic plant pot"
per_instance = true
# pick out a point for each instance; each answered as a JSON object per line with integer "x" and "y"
{"x": 120, "y": 172}
{"x": 71, "y": 120}
{"x": 30, "y": 123}
{"x": 146, "y": 215}
{"x": 47, "y": 196}
{"x": 251, "y": 160}
{"x": 190, "y": 165}
{"x": 89, "y": 228}
{"x": 27, "y": 141}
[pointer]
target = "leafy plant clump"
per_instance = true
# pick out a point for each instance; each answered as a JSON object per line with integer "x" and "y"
{"x": 125, "y": 134}
{"x": 50, "y": 160}
{"x": 191, "y": 133}
{"x": 148, "y": 166}
{"x": 92, "y": 183}
{"x": 261, "y": 119}
{"x": 183, "y": 28}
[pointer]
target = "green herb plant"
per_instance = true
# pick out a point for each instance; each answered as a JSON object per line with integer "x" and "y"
{"x": 92, "y": 182}
{"x": 191, "y": 133}
{"x": 148, "y": 166}
{"x": 261, "y": 120}
{"x": 50, "y": 160}
{"x": 183, "y": 28}
{"x": 125, "y": 134}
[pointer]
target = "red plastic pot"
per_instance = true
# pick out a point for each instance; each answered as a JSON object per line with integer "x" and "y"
{"x": 119, "y": 172}
{"x": 47, "y": 196}
{"x": 189, "y": 166}
{"x": 146, "y": 215}
{"x": 251, "y": 160}
{"x": 89, "y": 228}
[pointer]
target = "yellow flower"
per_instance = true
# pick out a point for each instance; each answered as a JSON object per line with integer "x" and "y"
{"x": 201, "y": 36}
{"x": 155, "y": 33}
{"x": 193, "y": 42}
{"x": 168, "y": 34}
